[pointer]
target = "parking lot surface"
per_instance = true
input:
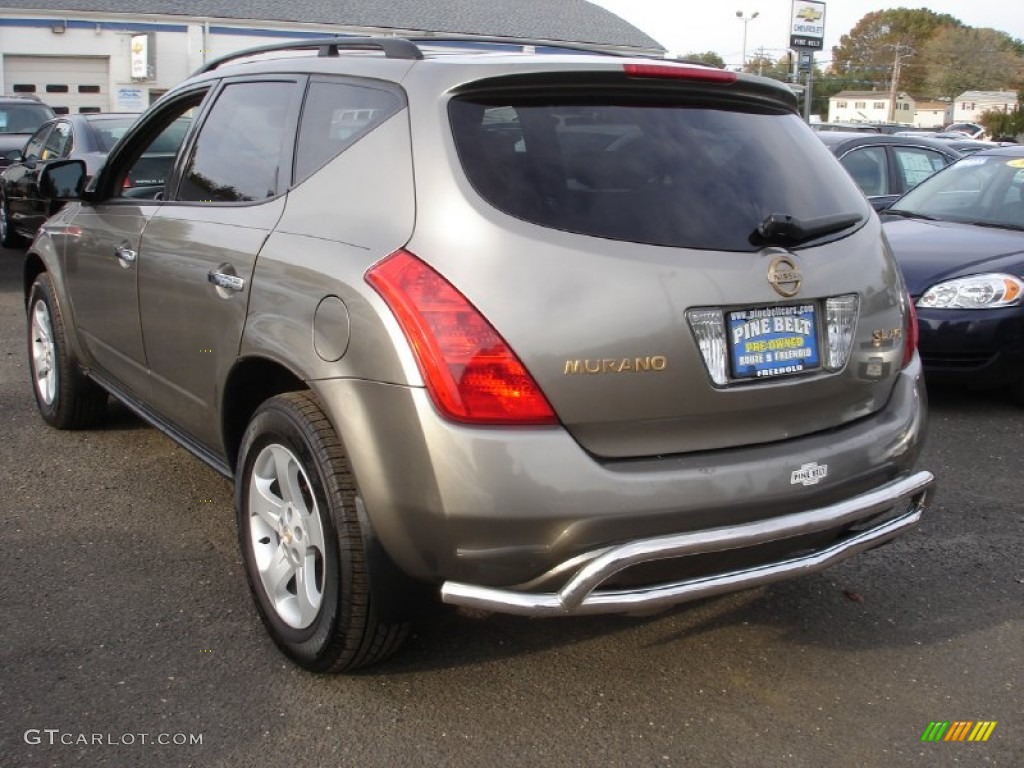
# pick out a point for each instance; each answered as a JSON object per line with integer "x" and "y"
{"x": 128, "y": 636}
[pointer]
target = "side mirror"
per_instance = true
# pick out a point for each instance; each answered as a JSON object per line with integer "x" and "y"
{"x": 63, "y": 180}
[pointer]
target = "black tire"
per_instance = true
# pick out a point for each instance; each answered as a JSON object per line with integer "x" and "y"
{"x": 1017, "y": 392}
{"x": 65, "y": 397}
{"x": 337, "y": 629}
{"x": 8, "y": 237}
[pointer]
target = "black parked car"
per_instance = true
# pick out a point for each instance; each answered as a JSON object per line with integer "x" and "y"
{"x": 959, "y": 240}
{"x": 20, "y": 117}
{"x": 886, "y": 166}
{"x": 89, "y": 137}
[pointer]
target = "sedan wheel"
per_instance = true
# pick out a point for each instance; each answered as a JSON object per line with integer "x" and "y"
{"x": 8, "y": 238}
{"x": 66, "y": 399}
{"x": 302, "y": 540}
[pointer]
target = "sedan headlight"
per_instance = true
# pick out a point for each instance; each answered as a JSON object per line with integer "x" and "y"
{"x": 990, "y": 291}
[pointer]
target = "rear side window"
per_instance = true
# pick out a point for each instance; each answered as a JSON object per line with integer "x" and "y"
{"x": 336, "y": 115}
{"x": 647, "y": 171}
{"x": 916, "y": 164}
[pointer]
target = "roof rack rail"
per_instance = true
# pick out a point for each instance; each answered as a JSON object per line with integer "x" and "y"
{"x": 393, "y": 48}
{"x": 520, "y": 41}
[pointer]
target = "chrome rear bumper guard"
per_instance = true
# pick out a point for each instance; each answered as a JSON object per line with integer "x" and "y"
{"x": 580, "y": 595}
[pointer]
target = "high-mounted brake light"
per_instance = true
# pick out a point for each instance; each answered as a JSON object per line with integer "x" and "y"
{"x": 910, "y": 334}
{"x": 675, "y": 72}
{"x": 471, "y": 373}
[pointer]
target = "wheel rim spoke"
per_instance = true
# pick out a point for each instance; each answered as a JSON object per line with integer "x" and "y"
{"x": 308, "y": 593}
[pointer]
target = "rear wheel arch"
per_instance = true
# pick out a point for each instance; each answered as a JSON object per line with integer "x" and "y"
{"x": 251, "y": 382}
{"x": 34, "y": 267}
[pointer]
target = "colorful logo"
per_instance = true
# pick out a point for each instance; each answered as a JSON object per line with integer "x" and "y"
{"x": 959, "y": 730}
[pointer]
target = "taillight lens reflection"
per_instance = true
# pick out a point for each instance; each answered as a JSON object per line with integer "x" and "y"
{"x": 471, "y": 373}
{"x": 909, "y": 333}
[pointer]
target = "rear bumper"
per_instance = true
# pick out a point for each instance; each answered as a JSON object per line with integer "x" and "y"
{"x": 509, "y": 508}
{"x": 582, "y": 594}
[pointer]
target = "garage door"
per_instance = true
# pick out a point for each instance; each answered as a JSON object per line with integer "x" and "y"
{"x": 68, "y": 84}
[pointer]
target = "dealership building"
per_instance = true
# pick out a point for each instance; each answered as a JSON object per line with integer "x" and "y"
{"x": 121, "y": 55}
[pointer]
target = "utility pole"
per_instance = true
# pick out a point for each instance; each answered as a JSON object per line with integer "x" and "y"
{"x": 897, "y": 65}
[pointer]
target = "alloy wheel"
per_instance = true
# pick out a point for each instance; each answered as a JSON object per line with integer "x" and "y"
{"x": 286, "y": 536}
{"x": 44, "y": 353}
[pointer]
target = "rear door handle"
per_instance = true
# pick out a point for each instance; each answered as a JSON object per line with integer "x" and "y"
{"x": 125, "y": 255}
{"x": 228, "y": 282}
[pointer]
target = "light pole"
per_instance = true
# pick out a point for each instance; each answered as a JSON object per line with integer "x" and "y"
{"x": 746, "y": 20}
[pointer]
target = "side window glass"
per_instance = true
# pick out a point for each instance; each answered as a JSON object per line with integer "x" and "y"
{"x": 58, "y": 143}
{"x": 149, "y": 173}
{"x": 34, "y": 147}
{"x": 916, "y": 165}
{"x": 240, "y": 152}
{"x": 141, "y": 168}
{"x": 337, "y": 115}
{"x": 868, "y": 168}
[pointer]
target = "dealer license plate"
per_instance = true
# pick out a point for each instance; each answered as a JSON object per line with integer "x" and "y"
{"x": 773, "y": 341}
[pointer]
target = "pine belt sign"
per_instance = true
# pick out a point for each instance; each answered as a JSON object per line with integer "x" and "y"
{"x": 808, "y": 30}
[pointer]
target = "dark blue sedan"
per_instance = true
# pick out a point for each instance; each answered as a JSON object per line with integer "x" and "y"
{"x": 959, "y": 239}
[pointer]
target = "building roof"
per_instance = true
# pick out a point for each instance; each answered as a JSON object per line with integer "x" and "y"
{"x": 554, "y": 20}
{"x": 868, "y": 95}
{"x": 1003, "y": 97}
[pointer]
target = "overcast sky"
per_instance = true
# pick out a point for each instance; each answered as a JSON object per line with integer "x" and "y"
{"x": 695, "y": 26}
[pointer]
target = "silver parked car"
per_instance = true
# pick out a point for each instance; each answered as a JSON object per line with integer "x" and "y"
{"x": 540, "y": 333}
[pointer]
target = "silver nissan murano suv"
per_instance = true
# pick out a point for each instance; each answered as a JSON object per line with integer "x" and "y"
{"x": 537, "y": 331}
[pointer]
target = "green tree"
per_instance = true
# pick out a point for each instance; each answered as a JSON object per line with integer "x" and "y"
{"x": 959, "y": 59}
{"x": 1002, "y": 124}
{"x": 708, "y": 57}
{"x": 778, "y": 69}
{"x": 868, "y": 55}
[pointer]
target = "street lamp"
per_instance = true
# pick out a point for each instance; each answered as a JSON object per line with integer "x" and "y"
{"x": 746, "y": 20}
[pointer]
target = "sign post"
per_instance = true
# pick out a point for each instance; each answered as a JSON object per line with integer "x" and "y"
{"x": 807, "y": 35}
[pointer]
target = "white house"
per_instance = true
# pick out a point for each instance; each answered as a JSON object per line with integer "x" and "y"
{"x": 970, "y": 105}
{"x": 870, "y": 107}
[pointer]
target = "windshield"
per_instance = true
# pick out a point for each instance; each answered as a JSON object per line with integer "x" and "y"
{"x": 23, "y": 118}
{"x": 650, "y": 171}
{"x": 978, "y": 189}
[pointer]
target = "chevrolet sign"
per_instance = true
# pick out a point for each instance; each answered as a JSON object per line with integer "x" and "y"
{"x": 808, "y": 29}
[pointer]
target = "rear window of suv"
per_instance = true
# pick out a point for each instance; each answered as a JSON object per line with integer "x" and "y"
{"x": 23, "y": 118}
{"x": 647, "y": 171}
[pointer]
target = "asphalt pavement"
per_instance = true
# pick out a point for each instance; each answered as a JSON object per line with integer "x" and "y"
{"x": 128, "y": 638}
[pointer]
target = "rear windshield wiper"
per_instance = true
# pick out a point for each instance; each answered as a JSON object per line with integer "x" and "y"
{"x": 783, "y": 229}
{"x": 906, "y": 214}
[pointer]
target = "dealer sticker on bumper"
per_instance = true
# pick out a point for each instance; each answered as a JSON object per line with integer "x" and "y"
{"x": 773, "y": 341}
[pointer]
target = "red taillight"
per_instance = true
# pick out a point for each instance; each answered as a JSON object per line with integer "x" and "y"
{"x": 472, "y": 375}
{"x": 674, "y": 71}
{"x": 909, "y": 333}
